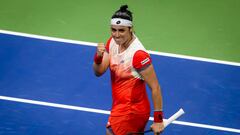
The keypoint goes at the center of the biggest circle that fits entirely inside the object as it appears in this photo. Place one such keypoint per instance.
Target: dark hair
(123, 13)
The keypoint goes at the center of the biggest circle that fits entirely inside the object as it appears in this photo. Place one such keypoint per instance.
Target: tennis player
(131, 68)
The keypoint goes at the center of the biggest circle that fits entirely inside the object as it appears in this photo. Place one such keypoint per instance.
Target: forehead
(118, 27)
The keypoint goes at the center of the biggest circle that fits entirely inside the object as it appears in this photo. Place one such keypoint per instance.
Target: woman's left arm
(150, 78)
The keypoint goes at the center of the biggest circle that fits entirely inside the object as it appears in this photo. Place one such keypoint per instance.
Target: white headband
(121, 22)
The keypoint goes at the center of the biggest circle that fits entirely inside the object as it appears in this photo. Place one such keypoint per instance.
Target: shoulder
(141, 59)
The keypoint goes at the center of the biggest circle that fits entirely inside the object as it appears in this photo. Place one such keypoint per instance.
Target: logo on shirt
(122, 61)
(145, 61)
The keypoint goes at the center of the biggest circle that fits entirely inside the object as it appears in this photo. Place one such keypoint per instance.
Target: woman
(131, 67)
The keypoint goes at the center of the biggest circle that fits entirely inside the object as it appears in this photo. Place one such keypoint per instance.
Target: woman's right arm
(101, 60)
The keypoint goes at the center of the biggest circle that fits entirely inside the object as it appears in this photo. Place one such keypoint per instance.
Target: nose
(117, 34)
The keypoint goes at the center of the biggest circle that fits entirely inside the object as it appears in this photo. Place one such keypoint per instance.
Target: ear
(131, 29)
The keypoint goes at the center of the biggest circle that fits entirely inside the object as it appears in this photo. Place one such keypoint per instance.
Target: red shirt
(128, 87)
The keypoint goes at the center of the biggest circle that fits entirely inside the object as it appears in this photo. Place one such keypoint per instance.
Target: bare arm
(100, 68)
(150, 78)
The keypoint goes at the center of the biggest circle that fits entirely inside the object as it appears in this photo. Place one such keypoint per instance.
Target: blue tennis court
(48, 87)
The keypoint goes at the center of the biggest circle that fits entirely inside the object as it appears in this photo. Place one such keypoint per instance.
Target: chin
(118, 42)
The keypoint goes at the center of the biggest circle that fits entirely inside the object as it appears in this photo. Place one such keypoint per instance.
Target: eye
(114, 30)
(121, 30)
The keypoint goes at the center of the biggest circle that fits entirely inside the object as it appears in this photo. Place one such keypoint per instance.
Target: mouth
(118, 40)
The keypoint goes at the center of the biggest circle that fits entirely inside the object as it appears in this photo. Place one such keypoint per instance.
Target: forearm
(157, 98)
(158, 125)
(99, 69)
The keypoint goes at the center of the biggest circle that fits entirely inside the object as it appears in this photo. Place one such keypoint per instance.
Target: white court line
(108, 112)
(95, 44)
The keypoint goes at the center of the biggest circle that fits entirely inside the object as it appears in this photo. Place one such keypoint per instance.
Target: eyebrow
(121, 29)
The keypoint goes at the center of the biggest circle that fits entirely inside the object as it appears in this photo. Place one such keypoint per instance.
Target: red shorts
(121, 125)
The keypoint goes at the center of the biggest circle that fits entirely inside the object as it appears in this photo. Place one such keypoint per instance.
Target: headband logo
(118, 22)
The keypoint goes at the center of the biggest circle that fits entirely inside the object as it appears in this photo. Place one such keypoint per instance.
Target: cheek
(126, 35)
(112, 33)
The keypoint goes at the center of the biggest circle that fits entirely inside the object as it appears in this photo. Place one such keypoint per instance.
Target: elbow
(99, 70)
(97, 74)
